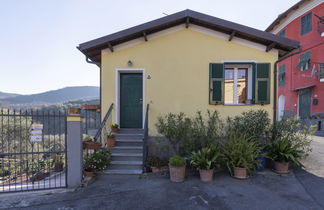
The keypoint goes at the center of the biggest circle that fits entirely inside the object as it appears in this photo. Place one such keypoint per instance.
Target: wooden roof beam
(145, 36)
(232, 36)
(269, 47)
(110, 47)
(187, 22)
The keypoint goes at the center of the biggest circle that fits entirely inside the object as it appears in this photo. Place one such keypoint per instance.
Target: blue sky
(38, 38)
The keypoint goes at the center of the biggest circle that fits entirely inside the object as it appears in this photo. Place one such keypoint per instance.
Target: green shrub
(206, 158)
(284, 151)
(177, 129)
(97, 161)
(177, 161)
(114, 125)
(252, 124)
(297, 134)
(240, 151)
(206, 131)
(155, 161)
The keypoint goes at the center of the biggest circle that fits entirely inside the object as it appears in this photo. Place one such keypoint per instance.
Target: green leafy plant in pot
(241, 154)
(282, 152)
(177, 167)
(111, 140)
(206, 160)
(114, 128)
(97, 161)
(155, 163)
(58, 163)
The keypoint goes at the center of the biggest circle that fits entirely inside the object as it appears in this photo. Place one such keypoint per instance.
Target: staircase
(127, 155)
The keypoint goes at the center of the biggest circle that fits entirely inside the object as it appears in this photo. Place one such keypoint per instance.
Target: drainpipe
(275, 81)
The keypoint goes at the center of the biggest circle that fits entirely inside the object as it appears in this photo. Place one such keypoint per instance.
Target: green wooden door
(131, 95)
(305, 97)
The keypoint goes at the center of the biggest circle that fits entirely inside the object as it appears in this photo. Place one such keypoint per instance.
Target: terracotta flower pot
(74, 111)
(111, 142)
(89, 173)
(177, 173)
(281, 168)
(91, 145)
(114, 130)
(164, 168)
(155, 169)
(206, 175)
(240, 173)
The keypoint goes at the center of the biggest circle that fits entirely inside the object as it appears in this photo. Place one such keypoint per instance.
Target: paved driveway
(267, 190)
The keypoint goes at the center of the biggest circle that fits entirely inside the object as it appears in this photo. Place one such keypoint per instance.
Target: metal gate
(32, 150)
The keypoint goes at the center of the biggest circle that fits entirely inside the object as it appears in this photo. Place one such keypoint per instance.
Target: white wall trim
(295, 14)
(118, 71)
(194, 28)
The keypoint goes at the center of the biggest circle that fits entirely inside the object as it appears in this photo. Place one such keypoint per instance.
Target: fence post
(74, 151)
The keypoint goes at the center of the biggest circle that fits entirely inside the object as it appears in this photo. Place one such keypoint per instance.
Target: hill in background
(7, 95)
(55, 96)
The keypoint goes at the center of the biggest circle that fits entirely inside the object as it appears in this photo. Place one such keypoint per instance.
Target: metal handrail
(103, 123)
(145, 146)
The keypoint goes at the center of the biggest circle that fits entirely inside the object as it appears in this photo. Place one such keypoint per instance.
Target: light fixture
(129, 63)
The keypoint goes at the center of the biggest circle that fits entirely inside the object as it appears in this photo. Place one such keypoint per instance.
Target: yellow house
(185, 62)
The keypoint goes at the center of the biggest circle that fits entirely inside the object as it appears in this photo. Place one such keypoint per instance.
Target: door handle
(141, 100)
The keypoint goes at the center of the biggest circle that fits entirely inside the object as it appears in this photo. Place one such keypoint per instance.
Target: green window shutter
(282, 75)
(304, 61)
(253, 82)
(216, 83)
(262, 83)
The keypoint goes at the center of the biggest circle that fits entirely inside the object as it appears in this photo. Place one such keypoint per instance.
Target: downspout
(275, 80)
(98, 64)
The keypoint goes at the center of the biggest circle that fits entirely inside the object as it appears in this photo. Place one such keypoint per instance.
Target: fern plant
(284, 151)
(206, 158)
(241, 152)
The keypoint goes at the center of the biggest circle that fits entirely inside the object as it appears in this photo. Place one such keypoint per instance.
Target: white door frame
(117, 91)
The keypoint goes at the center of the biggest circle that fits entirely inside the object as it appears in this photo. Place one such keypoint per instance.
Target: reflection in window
(236, 85)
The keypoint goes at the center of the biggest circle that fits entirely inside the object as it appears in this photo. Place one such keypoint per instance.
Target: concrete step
(129, 136)
(126, 156)
(123, 165)
(130, 131)
(129, 142)
(126, 149)
(115, 171)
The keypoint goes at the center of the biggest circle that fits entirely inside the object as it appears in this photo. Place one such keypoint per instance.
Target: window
(304, 61)
(306, 24)
(282, 75)
(239, 83)
(282, 33)
(321, 72)
(236, 85)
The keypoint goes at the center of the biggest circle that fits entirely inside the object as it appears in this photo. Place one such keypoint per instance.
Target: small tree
(177, 129)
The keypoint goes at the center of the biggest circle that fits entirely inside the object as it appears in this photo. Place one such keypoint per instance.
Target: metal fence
(32, 150)
(90, 121)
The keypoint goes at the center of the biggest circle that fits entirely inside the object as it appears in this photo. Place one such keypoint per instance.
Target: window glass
(306, 24)
(242, 85)
(282, 33)
(229, 86)
(236, 85)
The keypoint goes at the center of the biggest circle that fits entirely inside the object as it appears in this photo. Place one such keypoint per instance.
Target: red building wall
(295, 79)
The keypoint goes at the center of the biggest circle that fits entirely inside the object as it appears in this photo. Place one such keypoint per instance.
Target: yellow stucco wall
(178, 64)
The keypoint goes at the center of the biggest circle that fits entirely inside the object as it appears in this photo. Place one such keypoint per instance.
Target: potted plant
(58, 163)
(111, 141)
(177, 167)
(206, 160)
(114, 128)
(155, 163)
(88, 143)
(74, 111)
(241, 154)
(282, 152)
(95, 162)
